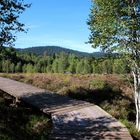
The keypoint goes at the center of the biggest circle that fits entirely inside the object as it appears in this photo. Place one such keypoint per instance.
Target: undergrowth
(22, 122)
(113, 93)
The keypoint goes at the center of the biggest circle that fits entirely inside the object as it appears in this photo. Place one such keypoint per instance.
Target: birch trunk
(136, 76)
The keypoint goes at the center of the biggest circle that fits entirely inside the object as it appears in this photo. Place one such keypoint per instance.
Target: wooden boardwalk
(72, 119)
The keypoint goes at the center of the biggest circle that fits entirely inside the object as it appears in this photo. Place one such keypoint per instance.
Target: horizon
(56, 23)
(58, 47)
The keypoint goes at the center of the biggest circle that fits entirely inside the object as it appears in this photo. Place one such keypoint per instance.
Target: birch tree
(115, 26)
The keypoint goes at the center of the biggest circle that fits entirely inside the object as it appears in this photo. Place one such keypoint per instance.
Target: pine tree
(55, 66)
(12, 67)
(30, 68)
(80, 67)
(87, 67)
(18, 67)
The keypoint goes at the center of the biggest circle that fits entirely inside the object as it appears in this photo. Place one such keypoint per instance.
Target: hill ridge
(51, 50)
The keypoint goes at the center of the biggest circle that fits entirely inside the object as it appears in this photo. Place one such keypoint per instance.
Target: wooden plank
(89, 122)
(18, 89)
(72, 119)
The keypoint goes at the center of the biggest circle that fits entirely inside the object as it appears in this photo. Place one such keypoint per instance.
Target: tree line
(12, 61)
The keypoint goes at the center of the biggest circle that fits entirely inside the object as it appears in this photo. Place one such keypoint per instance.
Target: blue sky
(56, 22)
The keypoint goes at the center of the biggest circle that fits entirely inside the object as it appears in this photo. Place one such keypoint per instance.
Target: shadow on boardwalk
(51, 102)
(98, 128)
(74, 119)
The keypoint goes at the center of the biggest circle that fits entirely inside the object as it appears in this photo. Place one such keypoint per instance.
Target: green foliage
(80, 67)
(55, 66)
(72, 67)
(49, 69)
(87, 67)
(12, 68)
(72, 60)
(18, 67)
(6, 66)
(30, 68)
(119, 67)
(9, 19)
(60, 63)
(131, 127)
(115, 26)
(98, 84)
(107, 66)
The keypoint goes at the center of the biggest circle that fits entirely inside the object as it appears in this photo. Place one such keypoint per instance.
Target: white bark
(136, 76)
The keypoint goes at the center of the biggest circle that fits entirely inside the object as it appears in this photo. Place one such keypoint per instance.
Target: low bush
(22, 122)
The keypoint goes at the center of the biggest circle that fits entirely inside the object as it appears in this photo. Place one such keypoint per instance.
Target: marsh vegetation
(113, 93)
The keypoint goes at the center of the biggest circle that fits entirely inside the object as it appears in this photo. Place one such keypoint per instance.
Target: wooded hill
(51, 50)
